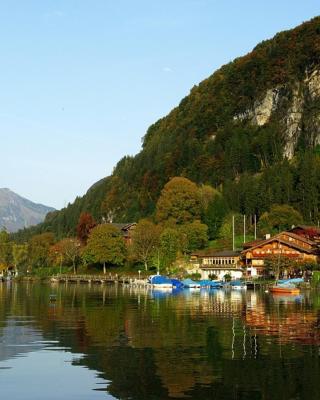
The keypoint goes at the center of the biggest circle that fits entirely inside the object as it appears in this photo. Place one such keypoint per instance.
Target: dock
(99, 279)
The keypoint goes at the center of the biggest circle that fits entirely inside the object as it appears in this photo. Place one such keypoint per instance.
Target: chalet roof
(123, 226)
(298, 237)
(282, 241)
(213, 253)
(288, 233)
(306, 228)
(252, 243)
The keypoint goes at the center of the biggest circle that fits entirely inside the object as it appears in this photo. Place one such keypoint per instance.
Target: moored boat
(176, 283)
(189, 283)
(208, 284)
(285, 289)
(238, 285)
(160, 282)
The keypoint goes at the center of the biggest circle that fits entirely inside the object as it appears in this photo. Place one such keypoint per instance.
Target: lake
(115, 342)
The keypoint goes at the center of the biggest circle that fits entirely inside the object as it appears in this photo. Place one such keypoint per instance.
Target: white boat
(238, 285)
(160, 282)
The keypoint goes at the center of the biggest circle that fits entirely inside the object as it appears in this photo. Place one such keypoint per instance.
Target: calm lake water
(124, 343)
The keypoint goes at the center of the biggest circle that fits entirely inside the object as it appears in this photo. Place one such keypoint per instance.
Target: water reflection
(136, 343)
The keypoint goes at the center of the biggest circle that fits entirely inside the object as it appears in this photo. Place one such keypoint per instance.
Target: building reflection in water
(173, 344)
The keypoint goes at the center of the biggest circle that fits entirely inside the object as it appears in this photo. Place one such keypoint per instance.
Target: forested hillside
(251, 130)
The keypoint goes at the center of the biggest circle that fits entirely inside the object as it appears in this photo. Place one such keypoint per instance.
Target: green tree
(279, 218)
(5, 249)
(20, 256)
(145, 241)
(193, 236)
(169, 246)
(225, 232)
(213, 215)
(105, 246)
(39, 247)
(277, 265)
(179, 202)
(308, 184)
(207, 194)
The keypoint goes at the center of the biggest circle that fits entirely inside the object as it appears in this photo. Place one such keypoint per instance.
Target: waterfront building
(285, 244)
(212, 263)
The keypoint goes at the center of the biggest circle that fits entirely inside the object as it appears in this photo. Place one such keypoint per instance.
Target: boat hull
(162, 285)
(279, 290)
(243, 287)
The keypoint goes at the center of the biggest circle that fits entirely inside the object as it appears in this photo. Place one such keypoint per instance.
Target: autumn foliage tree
(105, 246)
(20, 256)
(5, 249)
(85, 225)
(145, 239)
(39, 246)
(193, 236)
(67, 251)
(179, 202)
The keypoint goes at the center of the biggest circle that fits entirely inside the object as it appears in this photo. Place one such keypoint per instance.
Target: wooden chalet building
(217, 263)
(285, 244)
(126, 230)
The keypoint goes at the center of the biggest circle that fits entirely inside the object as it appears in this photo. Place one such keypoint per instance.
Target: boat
(206, 283)
(176, 283)
(284, 289)
(160, 282)
(294, 281)
(190, 284)
(238, 285)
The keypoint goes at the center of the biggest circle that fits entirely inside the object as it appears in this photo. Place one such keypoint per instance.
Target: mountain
(17, 212)
(252, 130)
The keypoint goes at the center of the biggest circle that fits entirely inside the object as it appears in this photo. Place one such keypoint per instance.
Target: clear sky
(81, 80)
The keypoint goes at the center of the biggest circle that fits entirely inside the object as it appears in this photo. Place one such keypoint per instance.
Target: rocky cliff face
(17, 213)
(295, 107)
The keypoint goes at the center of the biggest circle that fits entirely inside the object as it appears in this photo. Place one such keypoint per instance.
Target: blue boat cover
(176, 283)
(159, 280)
(189, 282)
(208, 283)
(293, 281)
(205, 282)
(216, 284)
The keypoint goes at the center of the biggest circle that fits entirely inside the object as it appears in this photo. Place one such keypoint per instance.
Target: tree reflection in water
(200, 345)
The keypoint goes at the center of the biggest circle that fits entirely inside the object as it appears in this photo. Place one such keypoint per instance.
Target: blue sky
(81, 80)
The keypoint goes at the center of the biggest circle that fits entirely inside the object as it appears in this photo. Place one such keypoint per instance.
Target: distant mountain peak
(16, 212)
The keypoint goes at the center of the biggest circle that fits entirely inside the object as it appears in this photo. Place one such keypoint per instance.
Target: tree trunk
(104, 268)
(146, 265)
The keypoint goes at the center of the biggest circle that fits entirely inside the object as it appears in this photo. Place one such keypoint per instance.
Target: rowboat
(284, 289)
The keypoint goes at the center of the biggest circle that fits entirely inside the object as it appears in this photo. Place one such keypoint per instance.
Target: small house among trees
(127, 230)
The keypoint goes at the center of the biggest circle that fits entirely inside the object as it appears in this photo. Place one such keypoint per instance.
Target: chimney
(267, 236)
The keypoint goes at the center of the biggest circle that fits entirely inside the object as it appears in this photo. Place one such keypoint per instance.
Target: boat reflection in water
(140, 343)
